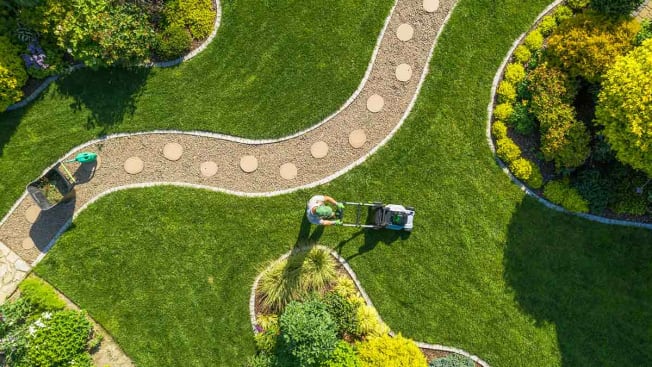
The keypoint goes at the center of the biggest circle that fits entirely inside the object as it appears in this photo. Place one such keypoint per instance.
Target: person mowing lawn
(319, 212)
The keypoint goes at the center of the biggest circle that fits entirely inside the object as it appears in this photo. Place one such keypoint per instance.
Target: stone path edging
(161, 64)
(504, 168)
(356, 281)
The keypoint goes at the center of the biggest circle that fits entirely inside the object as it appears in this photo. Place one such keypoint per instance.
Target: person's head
(324, 211)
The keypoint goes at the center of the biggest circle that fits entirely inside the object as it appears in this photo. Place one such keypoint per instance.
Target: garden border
(505, 169)
(161, 64)
(358, 285)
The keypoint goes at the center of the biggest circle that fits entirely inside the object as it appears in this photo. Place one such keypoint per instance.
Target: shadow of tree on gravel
(597, 293)
(110, 94)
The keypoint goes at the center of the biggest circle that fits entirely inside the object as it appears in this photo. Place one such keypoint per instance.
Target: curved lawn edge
(365, 296)
(161, 64)
(505, 169)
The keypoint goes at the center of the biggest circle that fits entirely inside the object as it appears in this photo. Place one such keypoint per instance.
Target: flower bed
(552, 121)
(308, 310)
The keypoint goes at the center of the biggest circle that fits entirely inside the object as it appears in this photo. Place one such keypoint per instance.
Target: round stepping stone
(430, 6)
(32, 213)
(172, 151)
(208, 169)
(403, 72)
(28, 243)
(375, 103)
(357, 138)
(288, 171)
(405, 32)
(319, 149)
(134, 165)
(248, 163)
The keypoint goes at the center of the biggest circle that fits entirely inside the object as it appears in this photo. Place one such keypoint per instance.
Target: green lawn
(486, 269)
(275, 67)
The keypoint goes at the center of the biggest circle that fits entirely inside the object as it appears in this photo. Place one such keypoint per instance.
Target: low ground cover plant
(36, 330)
(570, 114)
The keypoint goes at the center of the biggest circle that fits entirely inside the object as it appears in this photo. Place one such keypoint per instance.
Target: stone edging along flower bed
(161, 64)
(363, 294)
(521, 185)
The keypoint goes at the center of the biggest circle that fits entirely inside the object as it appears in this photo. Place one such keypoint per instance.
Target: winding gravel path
(240, 166)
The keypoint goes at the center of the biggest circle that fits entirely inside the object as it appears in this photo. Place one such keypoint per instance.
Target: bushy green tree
(588, 43)
(616, 7)
(308, 333)
(625, 108)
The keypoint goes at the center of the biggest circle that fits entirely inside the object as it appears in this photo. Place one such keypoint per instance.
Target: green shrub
(534, 40)
(560, 193)
(344, 313)
(507, 150)
(522, 120)
(563, 13)
(587, 44)
(41, 295)
(624, 108)
(267, 337)
(304, 271)
(499, 130)
(308, 333)
(506, 92)
(616, 8)
(197, 16)
(566, 141)
(12, 74)
(594, 188)
(631, 205)
(547, 25)
(390, 351)
(514, 73)
(173, 42)
(61, 340)
(369, 323)
(262, 360)
(521, 168)
(577, 4)
(536, 178)
(522, 54)
(452, 360)
(503, 111)
(645, 32)
(549, 87)
(343, 356)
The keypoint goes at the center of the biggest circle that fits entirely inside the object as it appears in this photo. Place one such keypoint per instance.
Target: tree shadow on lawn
(9, 122)
(592, 281)
(110, 94)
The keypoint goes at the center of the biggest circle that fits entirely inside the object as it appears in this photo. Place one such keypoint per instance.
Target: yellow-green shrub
(515, 73)
(521, 168)
(547, 25)
(562, 13)
(197, 16)
(534, 40)
(499, 130)
(560, 193)
(507, 150)
(536, 179)
(577, 4)
(550, 87)
(12, 74)
(369, 323)
(506, 92)
(503, 111)
(564, 139)
(386, 351)
(588, 43)
(625, 108)
(522, 54)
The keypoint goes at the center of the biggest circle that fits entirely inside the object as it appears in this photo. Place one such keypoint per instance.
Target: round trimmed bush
(308, 333)
(507, 150)
(522, 54)
(499, 130)
(534, 40)
(560, 193)
(369, 323)
(547, 25)
(503, 111)
(515, 73)
(173, 42)
(452, 360)
(506, 92)
(390, 351)
(343, 356)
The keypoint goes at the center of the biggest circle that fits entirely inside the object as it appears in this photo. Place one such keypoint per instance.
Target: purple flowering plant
(35, 57)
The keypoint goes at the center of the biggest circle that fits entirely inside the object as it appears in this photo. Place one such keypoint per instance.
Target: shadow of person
(306, 237)
(49, 223)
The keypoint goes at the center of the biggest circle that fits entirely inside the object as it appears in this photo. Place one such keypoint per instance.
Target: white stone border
(161, 64)
(504, 168)
(347, 267)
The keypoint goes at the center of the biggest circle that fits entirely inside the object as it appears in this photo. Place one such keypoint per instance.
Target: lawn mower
(389, 216)
(56, 185)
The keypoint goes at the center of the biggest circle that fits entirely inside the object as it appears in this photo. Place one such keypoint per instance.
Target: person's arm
(330, 200)
(326, 223)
